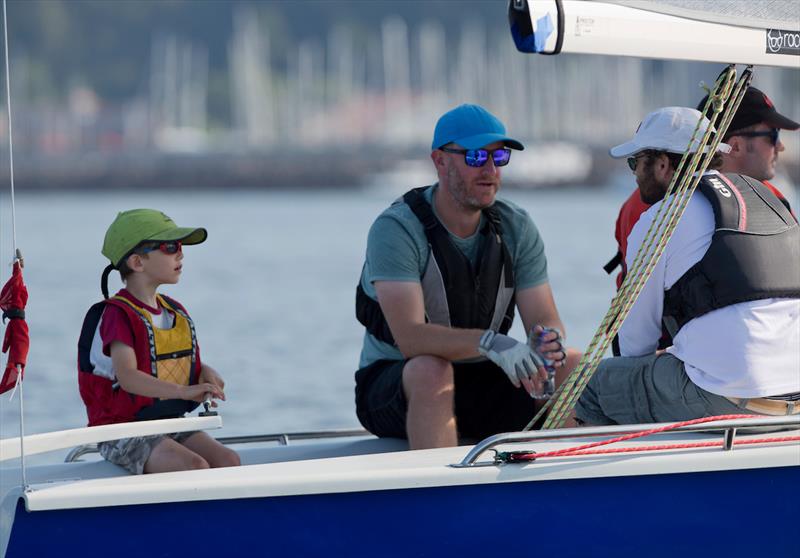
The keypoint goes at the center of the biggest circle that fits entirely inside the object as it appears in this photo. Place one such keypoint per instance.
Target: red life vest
(629, 215)
(168, 354)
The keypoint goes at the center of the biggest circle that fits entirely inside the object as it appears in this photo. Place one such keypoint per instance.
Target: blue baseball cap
(472, 127)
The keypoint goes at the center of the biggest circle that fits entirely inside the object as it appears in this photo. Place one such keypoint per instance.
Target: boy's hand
(208, 374)
(201, 392)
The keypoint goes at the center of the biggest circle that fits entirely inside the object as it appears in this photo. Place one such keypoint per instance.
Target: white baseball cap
(667, 129)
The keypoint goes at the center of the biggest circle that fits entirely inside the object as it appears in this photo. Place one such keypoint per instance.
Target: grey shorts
(654, 388)
(133, 453)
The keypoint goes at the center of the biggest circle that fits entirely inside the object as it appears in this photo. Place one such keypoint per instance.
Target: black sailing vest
(754, 252)
(456, 295)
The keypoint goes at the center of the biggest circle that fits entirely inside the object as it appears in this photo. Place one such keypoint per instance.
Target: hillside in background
(106, 44)
(200, 93)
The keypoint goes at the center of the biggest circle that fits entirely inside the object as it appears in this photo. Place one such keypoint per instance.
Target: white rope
(16, 252)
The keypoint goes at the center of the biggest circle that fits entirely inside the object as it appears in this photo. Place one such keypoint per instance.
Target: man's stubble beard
(458, 190)
(760, 168)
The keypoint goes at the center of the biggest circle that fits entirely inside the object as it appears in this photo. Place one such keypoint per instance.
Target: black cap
(755, 107)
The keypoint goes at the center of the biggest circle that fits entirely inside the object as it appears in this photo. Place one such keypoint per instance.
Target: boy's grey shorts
(133, 453)
(654, 388)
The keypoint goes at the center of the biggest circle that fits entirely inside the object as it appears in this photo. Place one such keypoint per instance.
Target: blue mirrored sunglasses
(479, 157)
(772, 134)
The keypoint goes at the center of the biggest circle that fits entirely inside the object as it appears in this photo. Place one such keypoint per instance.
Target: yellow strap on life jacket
(172, 350)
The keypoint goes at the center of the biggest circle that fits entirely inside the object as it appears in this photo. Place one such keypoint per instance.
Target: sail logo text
(780, 41)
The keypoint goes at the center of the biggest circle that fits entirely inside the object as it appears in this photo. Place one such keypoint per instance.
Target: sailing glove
(517, 360)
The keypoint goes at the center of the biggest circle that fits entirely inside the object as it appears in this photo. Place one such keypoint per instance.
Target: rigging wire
(10, 136)
(17, 255)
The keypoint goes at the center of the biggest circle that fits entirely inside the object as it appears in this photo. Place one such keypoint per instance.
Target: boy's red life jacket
(168, 354)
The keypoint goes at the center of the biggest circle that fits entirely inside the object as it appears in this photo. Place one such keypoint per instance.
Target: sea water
(271, 291)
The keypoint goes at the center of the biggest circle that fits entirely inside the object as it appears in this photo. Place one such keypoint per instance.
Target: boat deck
(365, 464)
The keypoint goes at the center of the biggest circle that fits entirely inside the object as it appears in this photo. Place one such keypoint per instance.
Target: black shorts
(486, 402)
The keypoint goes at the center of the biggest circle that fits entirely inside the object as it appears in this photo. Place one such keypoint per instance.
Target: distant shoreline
(265, 171)
(259, 171)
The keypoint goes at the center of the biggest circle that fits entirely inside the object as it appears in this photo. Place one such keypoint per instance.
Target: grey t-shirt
(398, 250)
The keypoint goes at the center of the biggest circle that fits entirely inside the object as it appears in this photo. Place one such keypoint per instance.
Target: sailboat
(713, 486)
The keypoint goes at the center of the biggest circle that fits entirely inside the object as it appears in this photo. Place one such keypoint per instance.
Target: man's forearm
(445, 342)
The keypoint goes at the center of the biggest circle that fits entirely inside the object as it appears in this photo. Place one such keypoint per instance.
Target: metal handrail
(728, 427)
(282, 440)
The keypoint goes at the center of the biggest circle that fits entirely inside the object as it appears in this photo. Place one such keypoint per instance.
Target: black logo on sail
(780, 41)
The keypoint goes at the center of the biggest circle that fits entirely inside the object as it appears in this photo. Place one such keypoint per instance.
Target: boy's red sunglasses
(170, 247)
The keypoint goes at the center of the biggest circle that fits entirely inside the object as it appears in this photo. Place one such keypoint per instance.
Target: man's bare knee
(427, 375)
(570, 363)
(573, 358)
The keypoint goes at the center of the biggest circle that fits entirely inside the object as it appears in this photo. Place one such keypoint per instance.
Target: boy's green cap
(135, 226)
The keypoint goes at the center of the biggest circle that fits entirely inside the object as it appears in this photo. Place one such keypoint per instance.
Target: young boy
(138, 357)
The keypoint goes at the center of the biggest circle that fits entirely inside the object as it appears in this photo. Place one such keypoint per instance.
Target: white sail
(758, 14)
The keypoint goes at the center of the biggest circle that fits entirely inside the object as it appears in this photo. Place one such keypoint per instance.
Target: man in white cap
(727, 288)
(754, 139)
(445, 267)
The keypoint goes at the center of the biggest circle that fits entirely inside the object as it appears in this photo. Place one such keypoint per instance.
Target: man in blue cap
(445, 266)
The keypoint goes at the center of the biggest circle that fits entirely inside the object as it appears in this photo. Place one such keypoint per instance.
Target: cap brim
(186, 235)
(777, 120)
(482, 140)
(625, 150)
(630, 148)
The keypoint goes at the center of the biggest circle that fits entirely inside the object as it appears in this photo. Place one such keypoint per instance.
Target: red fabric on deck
(16, 342)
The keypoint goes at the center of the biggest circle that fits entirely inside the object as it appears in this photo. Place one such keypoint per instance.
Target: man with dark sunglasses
(754, 138)
(726, 288)
(445, 267)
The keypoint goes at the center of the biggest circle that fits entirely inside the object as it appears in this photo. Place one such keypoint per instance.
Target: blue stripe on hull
(729, 514)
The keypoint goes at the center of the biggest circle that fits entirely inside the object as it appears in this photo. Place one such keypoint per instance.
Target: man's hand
(517, 360)
(548, 343)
